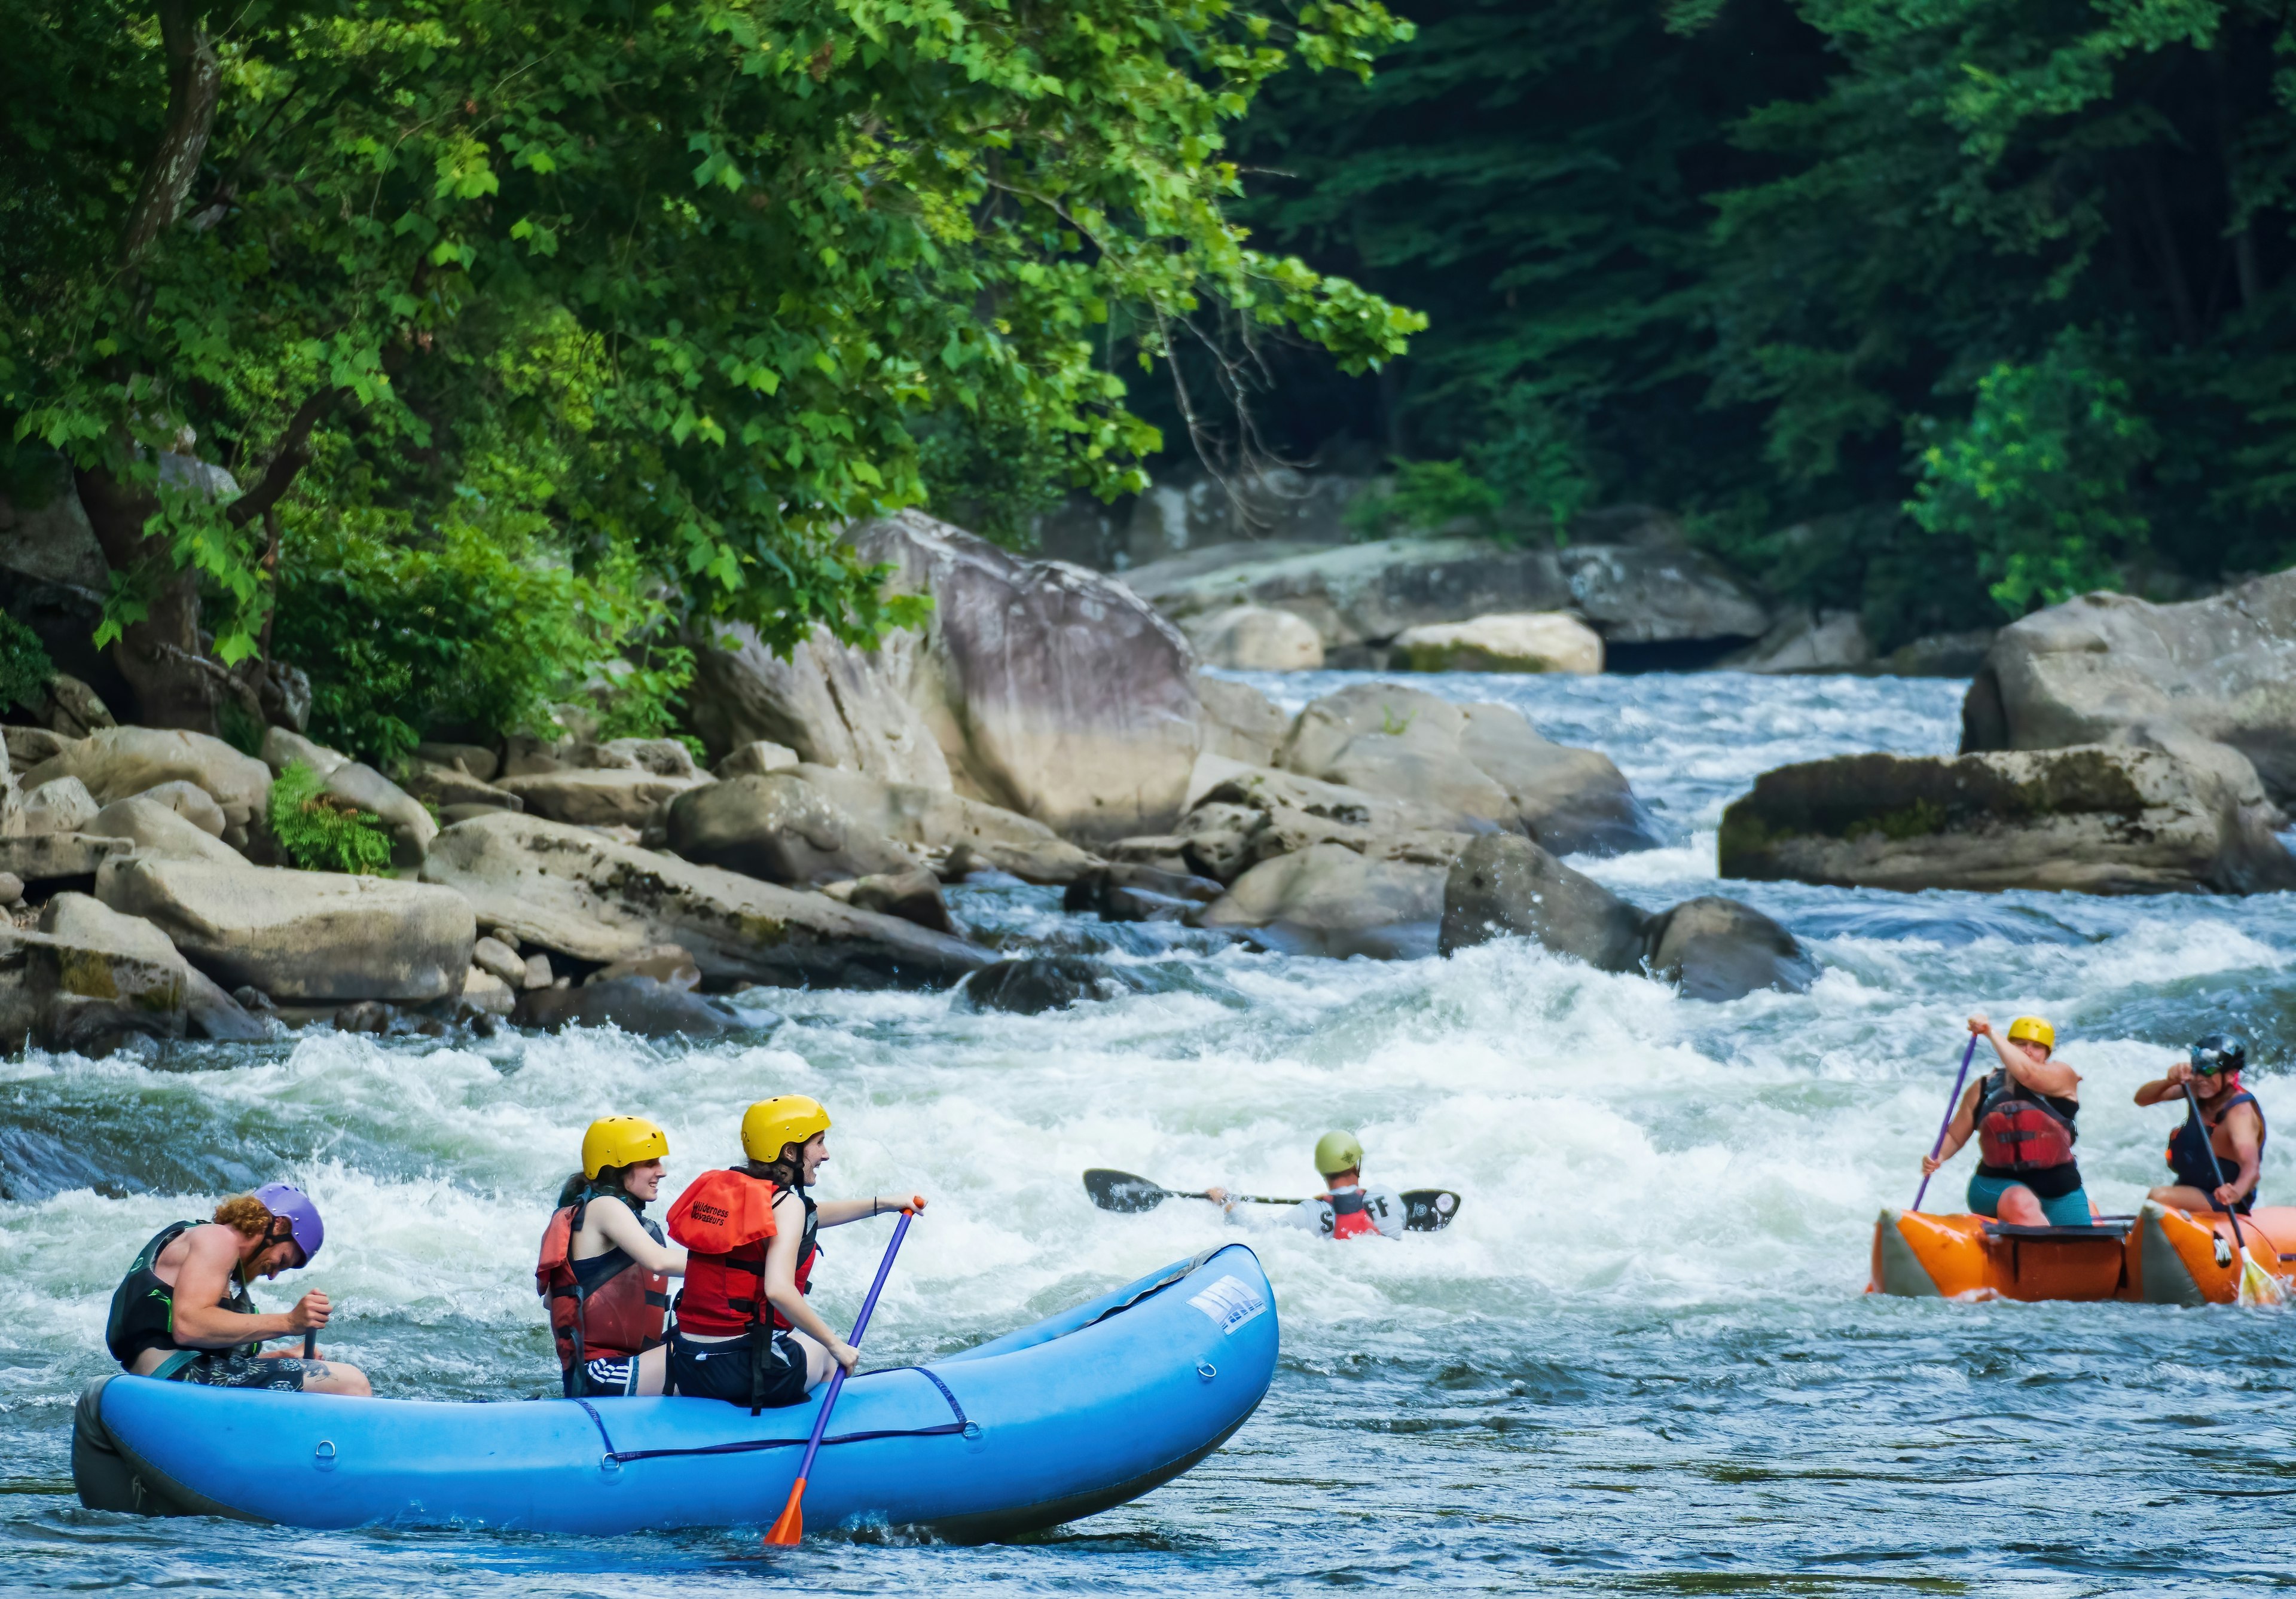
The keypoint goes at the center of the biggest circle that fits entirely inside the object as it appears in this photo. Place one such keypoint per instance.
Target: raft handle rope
(962, 1426)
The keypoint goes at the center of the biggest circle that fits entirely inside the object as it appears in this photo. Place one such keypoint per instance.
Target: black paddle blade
(1122, 1191)
(1429, 1209)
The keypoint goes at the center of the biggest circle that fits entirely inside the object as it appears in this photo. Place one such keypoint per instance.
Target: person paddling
(2022, 1118)
(605, 1269)
(183, 1313)
(1351, 1207)
(2210, 1077)
(745, 1333)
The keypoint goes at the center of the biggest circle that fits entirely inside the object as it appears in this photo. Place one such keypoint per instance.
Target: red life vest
(617, 1314)
(1350, 1217)
(723, 1219)
(2018, 1130)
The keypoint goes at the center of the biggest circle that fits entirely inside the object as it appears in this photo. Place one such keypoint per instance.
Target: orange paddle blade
(790, 1528)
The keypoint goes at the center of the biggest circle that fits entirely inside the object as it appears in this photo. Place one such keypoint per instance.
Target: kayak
(1078, 1412)
(2159, 1256)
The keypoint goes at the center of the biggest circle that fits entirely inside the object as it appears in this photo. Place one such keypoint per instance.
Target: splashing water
(1639, 1362)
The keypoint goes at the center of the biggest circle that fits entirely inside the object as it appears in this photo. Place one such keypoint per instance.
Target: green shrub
(1427, 496)
(24, 664)
(319, 832)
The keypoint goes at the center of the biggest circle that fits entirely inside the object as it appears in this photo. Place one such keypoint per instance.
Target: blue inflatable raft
(1076, 1413)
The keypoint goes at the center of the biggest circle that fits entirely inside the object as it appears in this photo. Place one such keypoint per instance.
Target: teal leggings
(2066, 1210)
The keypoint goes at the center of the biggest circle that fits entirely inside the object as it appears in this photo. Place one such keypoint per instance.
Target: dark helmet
(2219, 1052)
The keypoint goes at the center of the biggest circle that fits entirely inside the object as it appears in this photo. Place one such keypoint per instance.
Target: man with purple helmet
(183, 1313)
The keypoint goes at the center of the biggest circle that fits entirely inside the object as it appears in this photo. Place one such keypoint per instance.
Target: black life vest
(605, 1307)
(2189, 1149)
(724, 1291)
(144, 1305)
(2020, 1131)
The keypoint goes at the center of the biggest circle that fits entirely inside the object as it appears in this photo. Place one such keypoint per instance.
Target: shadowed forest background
(469, 357)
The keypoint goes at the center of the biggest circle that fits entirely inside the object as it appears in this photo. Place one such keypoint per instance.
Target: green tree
(606, 284)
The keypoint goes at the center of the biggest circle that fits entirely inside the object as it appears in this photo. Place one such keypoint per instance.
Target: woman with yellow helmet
(744, 1333)
(605, 1269)
(2023, 1118)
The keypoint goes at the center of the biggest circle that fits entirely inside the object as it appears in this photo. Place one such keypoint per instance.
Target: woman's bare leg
(2020, 1208)
(653, 1371)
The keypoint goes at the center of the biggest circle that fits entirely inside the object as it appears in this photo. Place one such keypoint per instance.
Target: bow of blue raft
(1081, 1412)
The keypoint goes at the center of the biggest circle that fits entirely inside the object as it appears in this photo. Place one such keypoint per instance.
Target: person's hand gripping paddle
(1953, 1103)
(790, 1527)
(2258, 1286)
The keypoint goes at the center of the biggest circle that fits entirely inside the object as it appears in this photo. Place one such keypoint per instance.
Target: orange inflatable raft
(2159, 1256)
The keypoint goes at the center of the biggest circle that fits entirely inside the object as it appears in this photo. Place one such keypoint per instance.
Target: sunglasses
(2208, 1062)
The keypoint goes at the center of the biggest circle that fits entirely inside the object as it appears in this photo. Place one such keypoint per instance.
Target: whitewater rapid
(1655, 1273)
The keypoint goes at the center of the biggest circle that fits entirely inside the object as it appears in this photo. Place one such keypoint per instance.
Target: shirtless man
(2210, 1077)
(183, 1313)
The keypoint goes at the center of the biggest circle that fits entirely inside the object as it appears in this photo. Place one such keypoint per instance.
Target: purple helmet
(291, 1205)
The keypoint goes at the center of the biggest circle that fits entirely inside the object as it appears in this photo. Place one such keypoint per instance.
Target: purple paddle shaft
(837, 1381)
(1960, 1077)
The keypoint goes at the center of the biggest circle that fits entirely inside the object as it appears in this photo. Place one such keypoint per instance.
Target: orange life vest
(723, 1219)
(2018, 1130)
(619, 1311)
(1350, 1214)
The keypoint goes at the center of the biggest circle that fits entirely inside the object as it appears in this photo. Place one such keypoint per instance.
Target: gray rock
(1832, 641)
(1505, 884)
(51, 857)
(1720, 949)
(643, 1006)
(1240, 722)
(2094, 669)
(913, 896)
(486, 994)
(28, 747)
(1133, 891)
(835, 705)
(188, 800)
(1035, 984)
(12, 889)
(119, 763)
(474, 760)
(938, 823)
(149, 826)
(535, 970)
(1572, 801)
(662, 963)
(44, 533)
(663, 756)
(68, 707)
(2099, 819)
(303, 936)
(89, 981)
(760, 757)
(593, 797)
(490, 954)
(1533, 641)
(781, 829)
(565, 888)
(1940, 655)
(446, 786)
(1255, 638)
(1329, 900)
(60, 805)
(212, 1013)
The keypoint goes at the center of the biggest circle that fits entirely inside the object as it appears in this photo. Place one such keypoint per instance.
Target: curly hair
(245, 1215)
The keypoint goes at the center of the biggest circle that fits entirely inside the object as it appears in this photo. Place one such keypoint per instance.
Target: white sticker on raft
(1230, 1302)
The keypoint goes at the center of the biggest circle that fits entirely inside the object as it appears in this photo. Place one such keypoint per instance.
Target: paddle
(2256, 1285)
(790, 1527)
(1952, 1103)
(1424, 1210)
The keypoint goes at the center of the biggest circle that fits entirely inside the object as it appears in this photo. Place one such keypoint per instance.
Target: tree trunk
(194, 81)
(160, 656)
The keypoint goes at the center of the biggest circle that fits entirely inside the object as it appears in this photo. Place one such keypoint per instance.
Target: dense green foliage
(644, 296)
(320, 834)
(24, 664)
(1791, 264)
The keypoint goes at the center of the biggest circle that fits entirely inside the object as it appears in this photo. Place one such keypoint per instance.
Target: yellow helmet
(786, 1118)
(622, 1141)
(2032, 1027)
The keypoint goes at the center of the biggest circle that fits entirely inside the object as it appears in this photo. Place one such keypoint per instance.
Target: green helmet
(1337, 1152)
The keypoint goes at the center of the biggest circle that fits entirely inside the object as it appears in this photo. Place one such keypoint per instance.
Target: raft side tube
(1896, 1269)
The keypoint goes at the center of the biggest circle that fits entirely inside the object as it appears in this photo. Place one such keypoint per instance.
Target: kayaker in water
(2210, 1075)
(1351, 1207)
(605, 1269)
(183, 1313)
(2022, 1118)
(744, 1331)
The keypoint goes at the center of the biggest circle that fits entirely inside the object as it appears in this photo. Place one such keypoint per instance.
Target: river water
(1639, 1363)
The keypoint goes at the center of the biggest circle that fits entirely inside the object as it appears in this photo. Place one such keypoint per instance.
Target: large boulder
(1483, 763)
(779, 828)
(1528, 641)
(835, 705)
(88, 980)
(573, 891)
(1329, 900)
(58, 805)
(2096, 669)
(1031, 985)
(1708, 949)
(118, 763)
(2099, 819)
(1830, 641)
(55, 857)
(301, 937)
(1240, 816)
(938, 824)
(153, 826)
(360, 787)
(646, 1007)
(599, 796)
(1255, 638)
(1240, 722)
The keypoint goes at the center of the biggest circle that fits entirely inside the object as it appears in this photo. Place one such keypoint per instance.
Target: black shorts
(228, 1368)
(604, 1377)
(721, 1370)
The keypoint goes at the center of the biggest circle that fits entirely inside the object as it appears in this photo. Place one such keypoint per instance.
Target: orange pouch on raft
(720, 1211)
